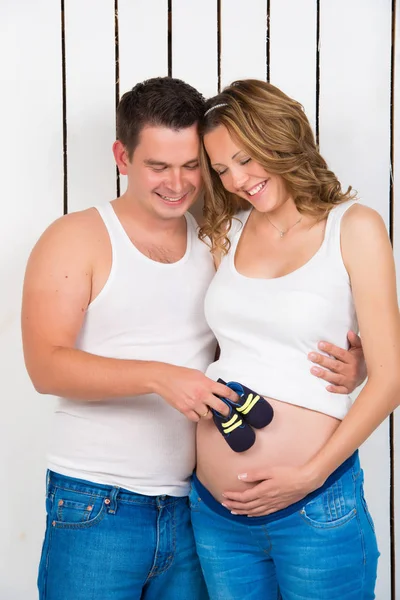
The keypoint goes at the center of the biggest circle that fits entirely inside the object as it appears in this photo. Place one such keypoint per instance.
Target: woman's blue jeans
(325, 550)
(105, 543)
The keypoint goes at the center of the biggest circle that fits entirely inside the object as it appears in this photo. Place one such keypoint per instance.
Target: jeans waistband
(106, 491)
(216, 507)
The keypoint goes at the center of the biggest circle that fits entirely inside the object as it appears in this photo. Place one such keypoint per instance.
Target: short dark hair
(159, 102)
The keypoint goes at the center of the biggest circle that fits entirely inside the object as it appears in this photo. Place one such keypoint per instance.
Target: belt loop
(112, 501)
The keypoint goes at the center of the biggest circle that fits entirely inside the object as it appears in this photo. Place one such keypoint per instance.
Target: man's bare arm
(57, 292)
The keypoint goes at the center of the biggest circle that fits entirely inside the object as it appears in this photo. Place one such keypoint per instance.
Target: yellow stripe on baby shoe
(248, 406)
(237, 424)
(229, 423)
(245, 405)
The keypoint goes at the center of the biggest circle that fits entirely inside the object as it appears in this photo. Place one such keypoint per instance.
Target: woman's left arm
(368, 257)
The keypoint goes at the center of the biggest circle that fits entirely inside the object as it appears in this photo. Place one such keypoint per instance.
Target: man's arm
(57, 292)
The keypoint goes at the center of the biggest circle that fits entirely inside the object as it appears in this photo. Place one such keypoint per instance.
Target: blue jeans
(106, 543)
(325, 549)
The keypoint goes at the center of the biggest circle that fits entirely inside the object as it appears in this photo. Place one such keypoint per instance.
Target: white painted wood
(194, 44)
(31, 193)
(194, 50)
(143, 44)
(243, 40)
(90, 69)
(396, 248)
(355, 95)
(354, 138)
(143, 41)
(293, 51)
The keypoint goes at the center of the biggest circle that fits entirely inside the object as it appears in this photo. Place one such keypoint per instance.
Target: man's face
(164, 172)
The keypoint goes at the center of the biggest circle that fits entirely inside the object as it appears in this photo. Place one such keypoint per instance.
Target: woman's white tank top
(266, 327)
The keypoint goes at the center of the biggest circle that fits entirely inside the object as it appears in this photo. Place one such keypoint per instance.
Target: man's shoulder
(83, 222)
(76, 233)
(78, 218)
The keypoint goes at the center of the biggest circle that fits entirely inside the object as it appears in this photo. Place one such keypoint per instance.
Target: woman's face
(242, 175)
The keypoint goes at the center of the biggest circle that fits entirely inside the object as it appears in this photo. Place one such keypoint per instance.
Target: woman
(300, 261)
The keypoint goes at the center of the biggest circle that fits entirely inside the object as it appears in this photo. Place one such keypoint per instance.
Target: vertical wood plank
(293, 27)
(354, 138)
(195, 50)
(90, 86)
(143, 41)
(143, 44)
(355, 96)
(32, 197)
(243, 40)
(194, 44)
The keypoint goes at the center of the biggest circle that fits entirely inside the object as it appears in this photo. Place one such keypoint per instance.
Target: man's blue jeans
(325, 550)
(105, 543)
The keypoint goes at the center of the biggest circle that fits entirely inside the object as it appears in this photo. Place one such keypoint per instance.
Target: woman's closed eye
(221, 172)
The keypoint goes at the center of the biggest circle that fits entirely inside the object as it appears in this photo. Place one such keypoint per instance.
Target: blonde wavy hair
(274, 130)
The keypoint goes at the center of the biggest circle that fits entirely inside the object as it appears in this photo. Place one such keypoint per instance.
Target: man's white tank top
(146, 311)
(266, 327)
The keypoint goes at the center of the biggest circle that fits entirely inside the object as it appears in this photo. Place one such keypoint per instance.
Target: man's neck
(146, 220)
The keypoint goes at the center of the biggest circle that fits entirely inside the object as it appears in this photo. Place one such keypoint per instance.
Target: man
(113, 324)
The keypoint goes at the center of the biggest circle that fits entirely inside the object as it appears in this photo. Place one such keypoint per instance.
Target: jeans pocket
(334, 507)
(73, 509)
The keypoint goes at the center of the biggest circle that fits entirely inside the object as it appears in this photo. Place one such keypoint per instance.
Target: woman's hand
(274, 489)
(343, 369)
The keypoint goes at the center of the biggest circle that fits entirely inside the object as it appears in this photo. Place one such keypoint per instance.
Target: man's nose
(175, 181)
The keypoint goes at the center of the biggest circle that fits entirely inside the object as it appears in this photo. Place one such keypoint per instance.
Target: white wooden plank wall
(354, 122)
(293, 50)
(195, 44)
(31, 182)
(90, 98)
(142, 44)
(344, 86)
(243, 40)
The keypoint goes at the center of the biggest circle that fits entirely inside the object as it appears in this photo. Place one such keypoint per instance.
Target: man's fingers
(336, 366)
(222, 390)
(193, 416)
(354, 339)
(329, 376)
(204, 413)
(218, 405)
(337, 389)
(335, 351)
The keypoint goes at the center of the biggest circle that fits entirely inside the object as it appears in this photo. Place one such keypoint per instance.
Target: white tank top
(266, 327)
(147, 311)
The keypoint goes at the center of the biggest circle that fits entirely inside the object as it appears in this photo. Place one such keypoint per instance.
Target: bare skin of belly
(292, 438)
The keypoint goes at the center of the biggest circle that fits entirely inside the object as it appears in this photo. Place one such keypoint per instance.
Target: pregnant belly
(291, 439)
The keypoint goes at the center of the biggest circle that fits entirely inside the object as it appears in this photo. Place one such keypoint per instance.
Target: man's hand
(274, 489)
(191, 392)
(343, 369)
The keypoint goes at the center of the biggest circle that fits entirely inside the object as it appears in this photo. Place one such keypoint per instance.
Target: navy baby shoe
(235, 431)
(256, 411)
